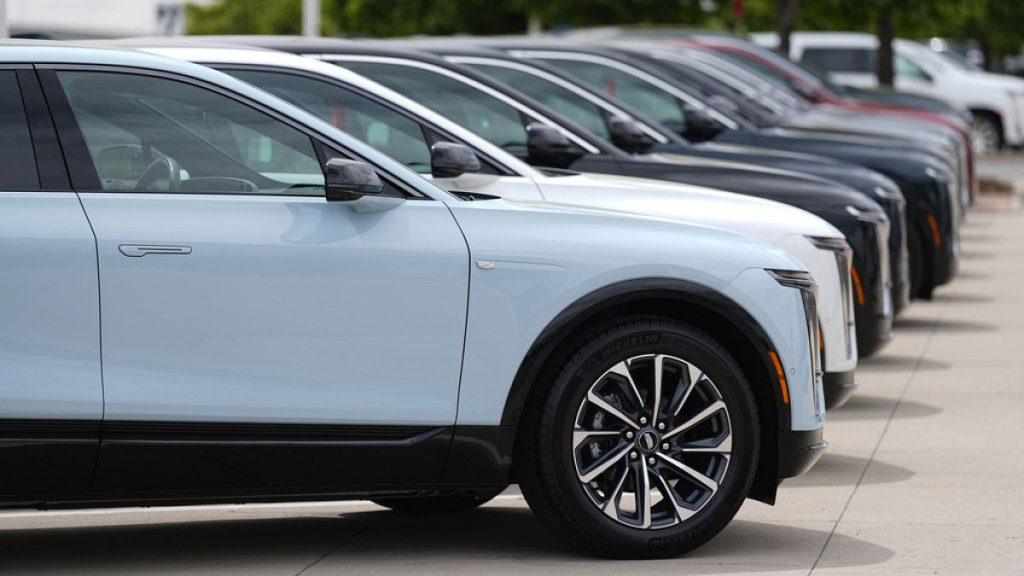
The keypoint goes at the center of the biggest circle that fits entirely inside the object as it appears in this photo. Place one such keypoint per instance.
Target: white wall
(97, 18)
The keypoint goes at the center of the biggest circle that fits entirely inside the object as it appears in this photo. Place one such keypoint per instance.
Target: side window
(904, 66)
(486, 116)
(153, 134)
(841, 60)
(17, 161)
(617, 84)
(558, 98)
(384, 129)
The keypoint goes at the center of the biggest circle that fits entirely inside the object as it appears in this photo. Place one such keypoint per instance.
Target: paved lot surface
(924, 476)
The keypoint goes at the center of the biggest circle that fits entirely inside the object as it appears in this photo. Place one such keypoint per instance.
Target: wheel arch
(706, 309)
(993, 115)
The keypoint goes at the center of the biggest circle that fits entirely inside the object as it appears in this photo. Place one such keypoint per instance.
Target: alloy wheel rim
(652, 441)
(984, 137)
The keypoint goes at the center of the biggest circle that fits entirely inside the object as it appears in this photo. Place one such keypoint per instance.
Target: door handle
(139, 250)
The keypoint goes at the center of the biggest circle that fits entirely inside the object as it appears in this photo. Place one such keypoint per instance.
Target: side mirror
(804, 90)
(451, 160)
(547, 146)
(348, 180)
(700, 126)
(627, 135)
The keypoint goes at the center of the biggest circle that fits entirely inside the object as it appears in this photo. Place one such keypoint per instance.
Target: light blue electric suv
(211, 296)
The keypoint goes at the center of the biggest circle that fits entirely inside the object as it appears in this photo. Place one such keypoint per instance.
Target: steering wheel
(157, 169)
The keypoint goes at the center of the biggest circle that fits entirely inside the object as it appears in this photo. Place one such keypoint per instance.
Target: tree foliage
(995, 24)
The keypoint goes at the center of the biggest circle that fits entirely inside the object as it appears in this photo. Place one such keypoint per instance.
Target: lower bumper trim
(839, 386)
(799, 450)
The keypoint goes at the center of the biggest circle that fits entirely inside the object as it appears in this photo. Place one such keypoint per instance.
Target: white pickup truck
(995, 100)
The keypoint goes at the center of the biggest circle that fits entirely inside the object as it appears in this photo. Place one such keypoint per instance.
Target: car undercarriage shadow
(502, 536)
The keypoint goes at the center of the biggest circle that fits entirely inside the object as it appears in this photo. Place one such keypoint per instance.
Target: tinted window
(483, 114)
(152, 134)
(840, 59)
(388, 131)
(17, 159)
(560, 99)
(645, 97)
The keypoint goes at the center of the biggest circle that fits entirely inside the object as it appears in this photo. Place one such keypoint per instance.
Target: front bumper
(799, 450)
(839, 387)
(873, 288)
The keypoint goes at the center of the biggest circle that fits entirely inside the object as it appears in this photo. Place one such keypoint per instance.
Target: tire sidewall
(581, 373)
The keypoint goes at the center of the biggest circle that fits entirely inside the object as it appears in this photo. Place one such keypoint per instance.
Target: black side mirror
(348, 180)
(547, 146)
(627, 135)
(451, 160)
(804, 90)
(700, 126)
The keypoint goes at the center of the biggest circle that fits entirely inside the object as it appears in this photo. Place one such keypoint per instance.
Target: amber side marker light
(857, 286)
(782, 377)
(934, 225)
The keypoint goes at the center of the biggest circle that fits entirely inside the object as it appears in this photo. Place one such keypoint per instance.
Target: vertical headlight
(803, 282)
(844, 260)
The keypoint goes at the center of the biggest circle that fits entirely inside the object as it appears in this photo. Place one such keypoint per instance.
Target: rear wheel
(644, 444)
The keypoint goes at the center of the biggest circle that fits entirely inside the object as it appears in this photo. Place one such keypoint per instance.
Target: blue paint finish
(780, 312)
(295, 310)
(566, 254)
(49, 309)
(287, 310)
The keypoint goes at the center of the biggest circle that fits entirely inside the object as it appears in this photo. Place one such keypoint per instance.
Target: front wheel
(644, 444)
(986, 136)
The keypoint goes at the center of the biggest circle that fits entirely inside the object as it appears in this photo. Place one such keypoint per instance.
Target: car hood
(987, 80)
(604, 246)
(763, 219)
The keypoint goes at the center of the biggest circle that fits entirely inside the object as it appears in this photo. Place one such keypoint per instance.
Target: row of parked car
(994, 101)
(629, 275)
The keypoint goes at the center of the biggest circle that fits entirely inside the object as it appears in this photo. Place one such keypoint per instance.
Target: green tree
(245, 17)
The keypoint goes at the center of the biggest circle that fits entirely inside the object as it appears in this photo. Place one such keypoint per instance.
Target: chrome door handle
(139, 250)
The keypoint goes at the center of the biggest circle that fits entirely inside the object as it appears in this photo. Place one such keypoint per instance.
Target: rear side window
(17, 159)
(841, 60)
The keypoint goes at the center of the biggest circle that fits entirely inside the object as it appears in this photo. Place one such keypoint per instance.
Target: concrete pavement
(923, 477)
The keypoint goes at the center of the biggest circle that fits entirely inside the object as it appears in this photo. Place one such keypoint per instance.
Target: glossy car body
(221, 342)
(817, 90)
(311, 84)
(924, 178)
(866, 232)
(560, 91)
(919, 70)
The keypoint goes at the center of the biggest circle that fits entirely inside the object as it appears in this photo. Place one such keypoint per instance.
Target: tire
(986, 134)
(552, 467)
(440, 504)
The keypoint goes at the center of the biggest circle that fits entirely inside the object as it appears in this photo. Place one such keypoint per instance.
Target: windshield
(959, 60)
(558, 98)
(384, 129)
(615, 83)
(489, 117)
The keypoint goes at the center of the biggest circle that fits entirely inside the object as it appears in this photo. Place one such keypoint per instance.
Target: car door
(383, 126)
(255, 334)
(51, 396)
